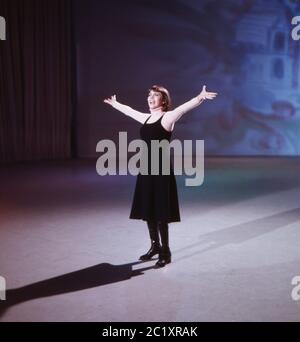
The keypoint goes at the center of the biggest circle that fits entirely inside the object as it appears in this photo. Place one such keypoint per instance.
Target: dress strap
(154, 121)
(147, 119)
(161, 117)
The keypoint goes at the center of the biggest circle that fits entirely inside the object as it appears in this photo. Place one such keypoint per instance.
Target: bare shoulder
(141, 117)
(167, 122)
(167, 117)
(145, 117)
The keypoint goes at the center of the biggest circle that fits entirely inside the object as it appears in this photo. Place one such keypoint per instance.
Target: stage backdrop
(35, 80)
(242, 49)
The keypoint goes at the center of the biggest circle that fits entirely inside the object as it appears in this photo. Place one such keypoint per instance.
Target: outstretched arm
(175, 114)
(134, 114)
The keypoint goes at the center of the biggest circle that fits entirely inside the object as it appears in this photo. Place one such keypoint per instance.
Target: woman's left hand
(205, 95)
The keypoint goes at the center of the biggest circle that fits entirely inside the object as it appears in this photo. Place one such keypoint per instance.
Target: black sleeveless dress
(155, 196)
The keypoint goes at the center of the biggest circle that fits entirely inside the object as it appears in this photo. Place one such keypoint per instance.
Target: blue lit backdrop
(242, 49)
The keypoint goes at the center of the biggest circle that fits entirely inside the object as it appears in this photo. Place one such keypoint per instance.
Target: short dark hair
(165, 96)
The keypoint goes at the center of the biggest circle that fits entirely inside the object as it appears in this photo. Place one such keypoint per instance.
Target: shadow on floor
(242, 232)
(94, 276)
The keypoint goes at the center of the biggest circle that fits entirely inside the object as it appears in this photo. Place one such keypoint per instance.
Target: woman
(155, 197)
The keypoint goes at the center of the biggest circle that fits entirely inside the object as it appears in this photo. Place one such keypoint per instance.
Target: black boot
(155, 246)
(164, 253)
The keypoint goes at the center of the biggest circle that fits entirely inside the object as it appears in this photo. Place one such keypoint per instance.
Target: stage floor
(69, 252)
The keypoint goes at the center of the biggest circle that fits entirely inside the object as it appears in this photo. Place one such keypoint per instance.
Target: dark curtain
(35, 80)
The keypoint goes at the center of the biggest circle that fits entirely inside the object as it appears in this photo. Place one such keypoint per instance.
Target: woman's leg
(165, 253)
(154, 237)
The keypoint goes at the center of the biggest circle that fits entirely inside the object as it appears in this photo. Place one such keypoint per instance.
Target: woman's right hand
(111, 100)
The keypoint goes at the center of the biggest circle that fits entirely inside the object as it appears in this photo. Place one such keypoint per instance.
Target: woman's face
(154, 99)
